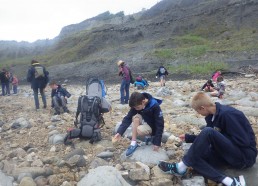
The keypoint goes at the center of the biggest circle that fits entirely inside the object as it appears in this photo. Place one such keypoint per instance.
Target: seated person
(59, 97)
(227, 140)
(208, 86)
(140, 83)
(221, 86)
(215, 76)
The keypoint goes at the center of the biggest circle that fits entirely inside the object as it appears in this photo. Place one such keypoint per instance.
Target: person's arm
(127, 120)
(66, 93)
(159, 124)
(29, 75)
(204, 86)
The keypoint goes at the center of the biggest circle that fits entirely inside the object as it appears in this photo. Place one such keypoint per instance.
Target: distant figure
(124, 72)
(59, 97)
(221, 88)
(162, 73)
(38, 77)
(15, 84)
(146, 118)
(140, 83)
(228, 140)
(215, 76)
(208, 86)
(5, 77)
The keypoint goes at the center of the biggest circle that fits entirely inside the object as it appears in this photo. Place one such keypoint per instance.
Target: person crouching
(59, 97)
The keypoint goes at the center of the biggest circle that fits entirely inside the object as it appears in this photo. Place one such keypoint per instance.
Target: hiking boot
(170, 168)
(130, 150)
(238, 181)
(57, 113)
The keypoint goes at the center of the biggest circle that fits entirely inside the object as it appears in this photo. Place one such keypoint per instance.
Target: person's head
(219, 79)
(209, 82)
(120, 63)
(34, 61)
(53, 84)
(202, 104)
(137, 101)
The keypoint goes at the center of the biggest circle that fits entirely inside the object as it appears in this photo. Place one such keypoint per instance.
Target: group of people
(227, 140)
(215, 91)
(8, 82)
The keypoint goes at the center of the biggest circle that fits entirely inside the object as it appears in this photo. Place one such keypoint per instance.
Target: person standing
(162, 73)
(124, 72)
(38, 77)
(4, 77)
(15, 84)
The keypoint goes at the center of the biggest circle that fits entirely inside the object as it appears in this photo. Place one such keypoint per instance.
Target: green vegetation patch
(198, 68)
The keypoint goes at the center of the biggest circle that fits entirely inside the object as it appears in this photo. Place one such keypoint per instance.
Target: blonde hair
(201, 99)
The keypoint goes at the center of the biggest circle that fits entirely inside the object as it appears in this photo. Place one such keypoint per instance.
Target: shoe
(66, 110)
(170, 168)
(238, 181)
(130, 150)
(45, 106)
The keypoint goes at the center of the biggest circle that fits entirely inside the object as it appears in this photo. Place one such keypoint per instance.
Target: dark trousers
(59, 102)
(209, 151)
(15, 89)
(36, 98)
(124, 91)
(5, 88)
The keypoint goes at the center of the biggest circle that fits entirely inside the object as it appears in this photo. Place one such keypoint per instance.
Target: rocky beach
(32, 150)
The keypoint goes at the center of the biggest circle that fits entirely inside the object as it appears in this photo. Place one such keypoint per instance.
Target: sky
(30, 20)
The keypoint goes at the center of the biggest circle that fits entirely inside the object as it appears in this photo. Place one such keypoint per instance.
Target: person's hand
(182, 137)
(117, 137)
(155, 148)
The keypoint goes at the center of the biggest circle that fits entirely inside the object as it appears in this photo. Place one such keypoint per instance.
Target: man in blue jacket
(38, 77)
(228, 140)
(146, 118)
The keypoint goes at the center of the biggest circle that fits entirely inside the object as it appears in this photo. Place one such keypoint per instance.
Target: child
(140, 83)
(162, 73)
(15, 84)
(146, 118)
(208, 86)
(59, 96)
(221, 86)
(227, 140)
(216, 75)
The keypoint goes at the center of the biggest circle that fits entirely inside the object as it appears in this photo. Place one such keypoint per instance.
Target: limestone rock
(27, 181)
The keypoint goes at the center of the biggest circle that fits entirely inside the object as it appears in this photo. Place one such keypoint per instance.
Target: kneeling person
(59, 96)
(146, 118)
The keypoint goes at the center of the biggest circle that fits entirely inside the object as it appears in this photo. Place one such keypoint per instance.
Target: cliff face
(135, 38)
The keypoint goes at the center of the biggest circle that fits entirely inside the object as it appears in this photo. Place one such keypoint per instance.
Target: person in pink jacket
(216, 75)
(15, 84)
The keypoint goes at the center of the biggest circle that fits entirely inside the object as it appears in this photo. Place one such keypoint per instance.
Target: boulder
(6, 180)
(105, 176)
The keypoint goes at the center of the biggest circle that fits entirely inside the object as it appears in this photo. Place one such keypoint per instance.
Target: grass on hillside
(198, 68)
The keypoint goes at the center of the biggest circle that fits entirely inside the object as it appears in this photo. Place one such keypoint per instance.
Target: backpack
(96, 87)
(39, 72)
(91, 119)
(162, 70)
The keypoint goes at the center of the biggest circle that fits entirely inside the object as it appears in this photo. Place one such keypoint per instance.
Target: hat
(120, 62)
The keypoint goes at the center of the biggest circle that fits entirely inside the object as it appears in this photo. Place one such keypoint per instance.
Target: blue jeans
(5, 88)
(124, 91)
(212, 150)
(15, 89)
(36, 98)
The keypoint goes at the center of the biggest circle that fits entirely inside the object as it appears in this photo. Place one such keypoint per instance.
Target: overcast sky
(29, 20)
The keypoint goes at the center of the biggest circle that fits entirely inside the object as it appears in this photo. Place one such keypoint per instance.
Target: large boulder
(105, 176)
(6, 180)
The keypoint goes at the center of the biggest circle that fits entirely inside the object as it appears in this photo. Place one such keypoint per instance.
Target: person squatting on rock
(38, 77)
(162, 73)
(227, 140)
(59, 97)
(5, 82)
(220, 89)
(208, 86)
(140, 83)
(146, 118)
(124, 71)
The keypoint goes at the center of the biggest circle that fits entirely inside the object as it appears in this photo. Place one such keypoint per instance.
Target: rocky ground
(32, 150)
